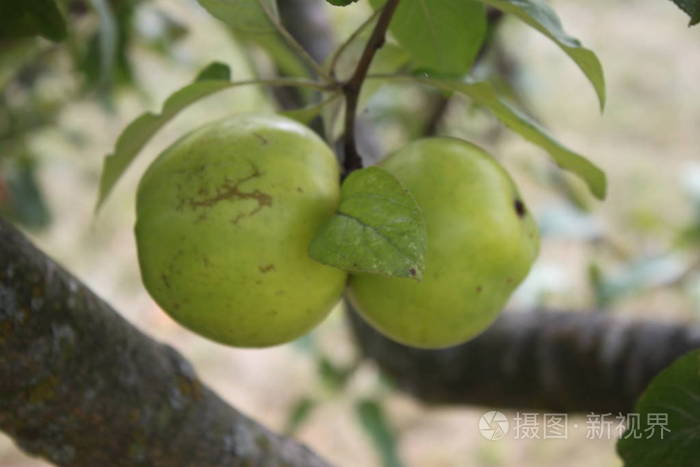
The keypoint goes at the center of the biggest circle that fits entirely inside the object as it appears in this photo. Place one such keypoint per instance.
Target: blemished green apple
(224, 220)
(481, 244)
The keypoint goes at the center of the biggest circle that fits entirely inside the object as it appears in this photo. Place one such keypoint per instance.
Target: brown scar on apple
(520, 208)
(267, 268)
(230, 190)
(262, 139)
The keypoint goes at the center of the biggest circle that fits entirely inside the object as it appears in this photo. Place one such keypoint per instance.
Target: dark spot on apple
(509, 280)
(300, 189)
(262, 139)
(520, 209)
(479, 289)
(267, 268)
(412, 272)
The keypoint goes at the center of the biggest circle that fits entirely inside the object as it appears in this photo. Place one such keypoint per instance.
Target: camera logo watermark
(496, 425)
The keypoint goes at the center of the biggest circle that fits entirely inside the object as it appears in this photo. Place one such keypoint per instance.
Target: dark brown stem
(80, 386)
(353, 87)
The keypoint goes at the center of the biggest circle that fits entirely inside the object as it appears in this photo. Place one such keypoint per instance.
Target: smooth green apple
(481, 244)
(224, 220)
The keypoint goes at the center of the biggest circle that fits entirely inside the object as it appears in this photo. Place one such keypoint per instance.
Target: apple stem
(353, 86)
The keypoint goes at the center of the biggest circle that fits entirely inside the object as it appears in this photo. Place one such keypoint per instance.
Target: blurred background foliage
(62, 105)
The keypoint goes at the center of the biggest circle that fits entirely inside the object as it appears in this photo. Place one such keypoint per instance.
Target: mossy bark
(80, 386)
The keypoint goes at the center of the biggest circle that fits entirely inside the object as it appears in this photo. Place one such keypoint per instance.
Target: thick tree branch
(80, 386)
(553, 361)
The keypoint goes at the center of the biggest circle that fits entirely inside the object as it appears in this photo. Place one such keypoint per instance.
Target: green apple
(224, 220)
(481, 244)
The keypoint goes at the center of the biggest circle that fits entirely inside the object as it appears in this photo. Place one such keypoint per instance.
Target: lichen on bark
(80, 386)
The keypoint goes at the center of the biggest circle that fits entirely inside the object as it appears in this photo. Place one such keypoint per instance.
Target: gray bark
(542, 360)
(80, 386)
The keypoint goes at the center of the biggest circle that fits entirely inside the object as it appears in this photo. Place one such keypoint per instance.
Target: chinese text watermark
(496, 425)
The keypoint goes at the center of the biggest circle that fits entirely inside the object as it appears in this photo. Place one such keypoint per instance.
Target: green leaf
(334, 378)
(32, 17)
(300, 412)
(668, 432)
(140, 131)
(371, 416)
(214, 71)
(378, 228)
(107, 41)
(542, 17)
(341, 2)
(485, 94)
(21, 197)
(442, 36)
(692, 8)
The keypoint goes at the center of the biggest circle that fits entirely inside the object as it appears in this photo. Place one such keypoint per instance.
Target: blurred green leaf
(250, 24)
(668, 429)
(21, 198)
(565, 221)
(299, 413)
(642, 274)
(692, 8)
(373, 421)
(378, 228)
(242, 15)
(107, 41)
(442, 36)
(539, 15)
(341, 2)
(106, 62)
(14, 54)
(334, 378)
(484, 94)
(30, 18)
(141, 130)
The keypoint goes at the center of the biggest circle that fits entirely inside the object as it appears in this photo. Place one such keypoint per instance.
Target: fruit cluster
(226, 214)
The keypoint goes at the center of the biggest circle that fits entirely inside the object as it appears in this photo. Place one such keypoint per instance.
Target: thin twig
(341, 50)
(282, 82)
(292, 42)
(353, 86)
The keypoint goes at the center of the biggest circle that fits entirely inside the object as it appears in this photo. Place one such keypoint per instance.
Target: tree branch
(551, 361)
(80, 386)
(353, 87)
